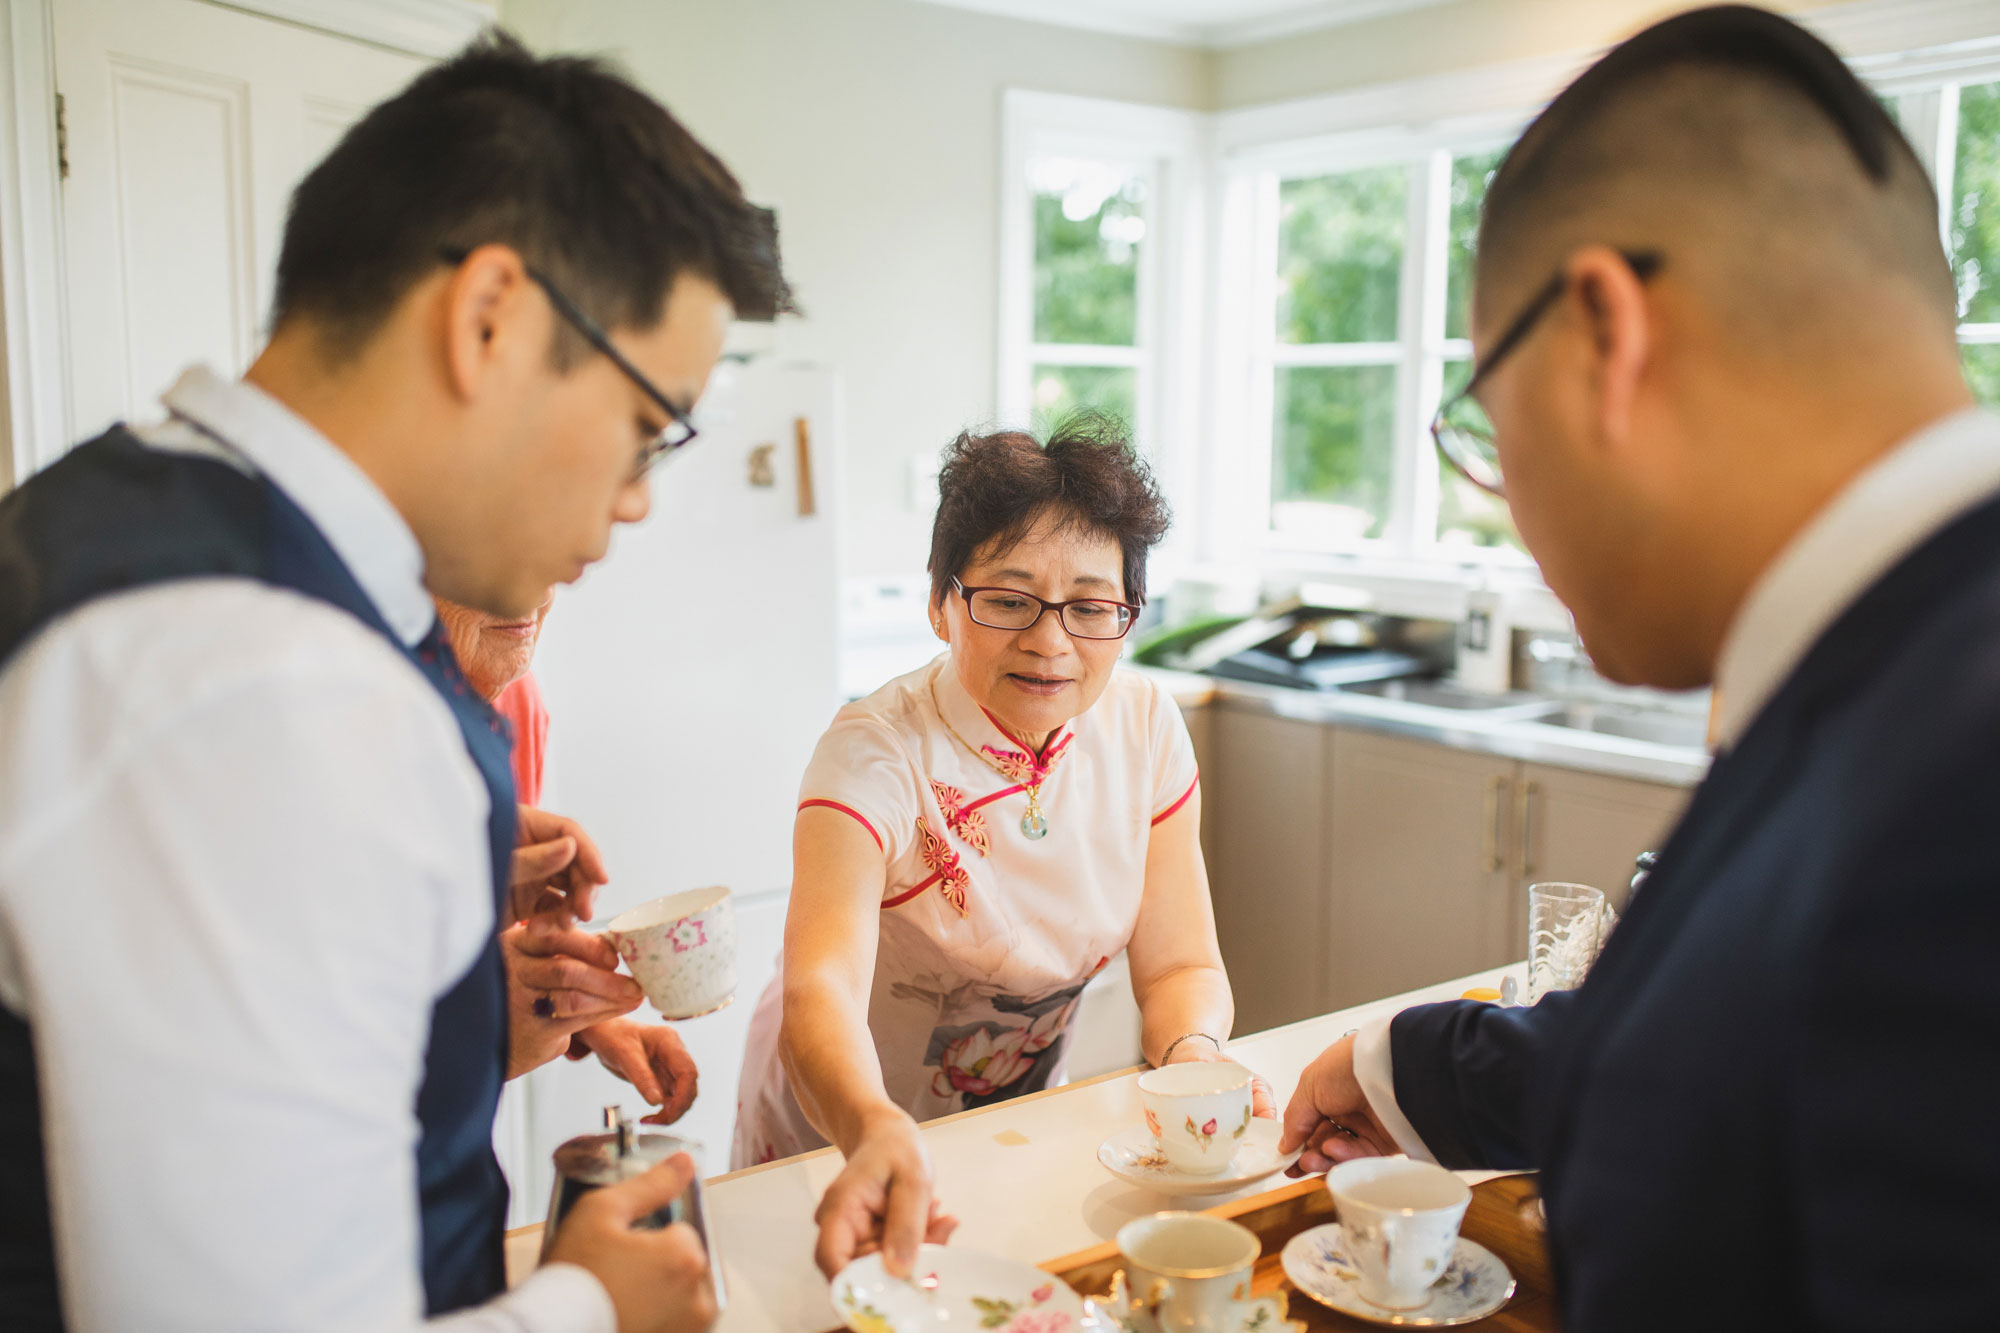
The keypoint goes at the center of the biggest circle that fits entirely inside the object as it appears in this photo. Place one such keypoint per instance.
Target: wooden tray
(1501, 1217)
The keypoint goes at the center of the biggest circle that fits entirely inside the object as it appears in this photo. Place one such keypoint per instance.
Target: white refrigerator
(688, 677)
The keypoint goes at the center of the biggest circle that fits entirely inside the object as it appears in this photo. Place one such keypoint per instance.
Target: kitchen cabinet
(1264, 794)
(1586, 828)
(1347, 864)
(1417, 884)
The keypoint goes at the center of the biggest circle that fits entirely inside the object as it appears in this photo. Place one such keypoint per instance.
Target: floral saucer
(1134, 1156)
(1259, 1314)
(1474, 1285)
(957, 1289)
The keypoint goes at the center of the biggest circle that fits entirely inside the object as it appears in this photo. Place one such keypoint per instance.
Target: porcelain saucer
(1259, 1314)
(1474, 1285)
(1135, 1156)
(954, 1288)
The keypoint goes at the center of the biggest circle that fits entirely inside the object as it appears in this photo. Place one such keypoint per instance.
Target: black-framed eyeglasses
(679, 429)
(1083, 618)
(1461, 430)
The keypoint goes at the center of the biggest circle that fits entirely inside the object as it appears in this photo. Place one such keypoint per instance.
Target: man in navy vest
(1715, 340)
(254, 826)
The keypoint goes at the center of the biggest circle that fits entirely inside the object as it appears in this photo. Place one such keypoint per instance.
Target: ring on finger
(544, 1006)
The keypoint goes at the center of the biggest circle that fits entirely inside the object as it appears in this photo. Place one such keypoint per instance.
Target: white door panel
(188, 127)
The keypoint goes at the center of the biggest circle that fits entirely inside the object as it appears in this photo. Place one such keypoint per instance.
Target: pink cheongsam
(988, 935)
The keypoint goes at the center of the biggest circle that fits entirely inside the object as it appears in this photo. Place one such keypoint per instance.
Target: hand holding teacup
(1329, 1117)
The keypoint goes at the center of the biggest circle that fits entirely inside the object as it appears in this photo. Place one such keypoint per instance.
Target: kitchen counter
(1509, 737)
(1023, 1178)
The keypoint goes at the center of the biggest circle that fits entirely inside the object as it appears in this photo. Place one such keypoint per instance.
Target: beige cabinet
(1587, 828)
(1348, 864)
(1264, 802)
(1417, 884)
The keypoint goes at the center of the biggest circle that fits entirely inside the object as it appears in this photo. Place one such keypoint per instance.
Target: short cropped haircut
(1729, 115)
(587, 177)
(996, 488)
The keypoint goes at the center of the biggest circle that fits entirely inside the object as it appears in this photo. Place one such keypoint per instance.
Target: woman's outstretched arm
(883, 1198)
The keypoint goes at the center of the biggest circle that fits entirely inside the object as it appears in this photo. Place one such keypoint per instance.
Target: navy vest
(114, 515)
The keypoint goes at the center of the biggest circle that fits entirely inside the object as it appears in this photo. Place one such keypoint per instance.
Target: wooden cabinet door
(1264, 807)
(1586, 828)
(1418, 890)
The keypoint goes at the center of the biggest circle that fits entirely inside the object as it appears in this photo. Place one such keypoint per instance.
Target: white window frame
(1168, 148)
(1206, 412)
(1251, 184)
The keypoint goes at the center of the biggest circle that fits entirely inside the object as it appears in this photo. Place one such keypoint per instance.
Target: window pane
(1089, 224)
(1982, 371)
(1060, 390)
(1340, 256)
(1333, 450)
(1468, 516)
(1469, 178)
(1975, 215)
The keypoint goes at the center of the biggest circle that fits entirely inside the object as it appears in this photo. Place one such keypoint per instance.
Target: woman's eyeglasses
(679, 428)
(1084, 618)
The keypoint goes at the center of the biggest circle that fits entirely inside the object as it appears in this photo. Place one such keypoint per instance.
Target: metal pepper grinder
(625, 1150)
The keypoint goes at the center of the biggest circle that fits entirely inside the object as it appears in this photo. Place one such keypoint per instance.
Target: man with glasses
(1718, 385)
(255, 826)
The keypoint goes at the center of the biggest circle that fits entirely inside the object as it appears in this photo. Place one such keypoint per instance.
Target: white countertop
(1022, 1177)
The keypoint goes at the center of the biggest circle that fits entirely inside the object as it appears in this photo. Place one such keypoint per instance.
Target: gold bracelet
(1168, 1054)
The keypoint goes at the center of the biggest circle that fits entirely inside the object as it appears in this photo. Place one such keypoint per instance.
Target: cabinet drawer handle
(1526, 862)
(1496, 790)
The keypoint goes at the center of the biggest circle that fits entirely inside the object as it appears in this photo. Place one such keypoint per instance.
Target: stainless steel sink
(1657, 726)
(1441, 694)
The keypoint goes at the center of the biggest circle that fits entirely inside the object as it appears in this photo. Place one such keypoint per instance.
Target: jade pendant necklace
(1034, 824)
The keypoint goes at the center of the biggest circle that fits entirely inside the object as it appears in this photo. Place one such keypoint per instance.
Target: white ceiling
(1207, 23)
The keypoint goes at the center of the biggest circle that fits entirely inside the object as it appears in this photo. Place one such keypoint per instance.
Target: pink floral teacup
(681, 949)
(1199, 1111)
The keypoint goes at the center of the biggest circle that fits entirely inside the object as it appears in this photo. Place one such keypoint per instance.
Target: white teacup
(1187, 1271)
(681, 949)
(1400, 1219)
(1198, 1111)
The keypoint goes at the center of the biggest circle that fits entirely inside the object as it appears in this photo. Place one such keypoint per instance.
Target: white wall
(873, 126)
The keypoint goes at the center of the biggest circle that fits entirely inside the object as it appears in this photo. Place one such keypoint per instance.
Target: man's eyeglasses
(1084, 618)
(679, 428)
(1461, 430)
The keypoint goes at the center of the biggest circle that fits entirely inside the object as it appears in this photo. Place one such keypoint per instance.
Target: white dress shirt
(1884, 514)
(242, 854)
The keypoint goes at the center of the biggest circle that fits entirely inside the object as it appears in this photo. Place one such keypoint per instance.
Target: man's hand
(1262, 1101)
(652, 1059)
(560, 980)
(882, 1200)
(557, 868)
(1329, 1117)
(658, 1280)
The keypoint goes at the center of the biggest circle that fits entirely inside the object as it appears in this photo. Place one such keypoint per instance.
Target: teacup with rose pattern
(1198, 1111)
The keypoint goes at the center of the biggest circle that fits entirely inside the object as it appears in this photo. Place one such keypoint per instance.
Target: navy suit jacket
(1775, 1102)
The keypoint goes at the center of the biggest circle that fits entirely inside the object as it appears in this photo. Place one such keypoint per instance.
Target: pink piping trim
(849, 810)
(1181, 802)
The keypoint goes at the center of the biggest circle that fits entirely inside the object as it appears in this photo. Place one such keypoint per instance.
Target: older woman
(977, 839)
(565, 993)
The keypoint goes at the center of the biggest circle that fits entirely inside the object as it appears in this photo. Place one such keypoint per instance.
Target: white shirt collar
(1885, 513)
(364, 529)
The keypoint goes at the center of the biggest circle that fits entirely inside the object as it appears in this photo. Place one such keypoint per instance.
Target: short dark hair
(995, 488)
(1738, 106)
(592, 181)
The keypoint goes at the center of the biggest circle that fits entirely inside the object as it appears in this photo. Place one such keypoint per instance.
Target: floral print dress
(988, 937)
